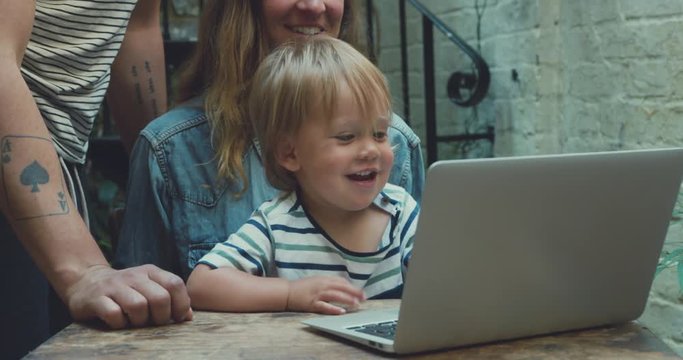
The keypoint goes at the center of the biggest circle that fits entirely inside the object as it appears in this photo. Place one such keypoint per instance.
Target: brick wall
(566, 76)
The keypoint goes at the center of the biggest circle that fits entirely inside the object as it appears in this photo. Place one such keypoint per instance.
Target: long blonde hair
(231, 44)
(304, 78)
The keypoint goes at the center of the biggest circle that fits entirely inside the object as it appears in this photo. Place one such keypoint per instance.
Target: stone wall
(567, 76)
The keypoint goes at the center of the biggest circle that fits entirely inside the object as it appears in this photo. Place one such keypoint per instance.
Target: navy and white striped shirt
(280, 240)
(67, 65)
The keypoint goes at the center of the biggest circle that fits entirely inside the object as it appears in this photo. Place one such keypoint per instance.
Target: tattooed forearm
(150, 93)
(31, 188)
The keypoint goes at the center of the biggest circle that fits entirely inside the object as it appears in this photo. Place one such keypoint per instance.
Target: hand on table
(324, 294)
(138, 296)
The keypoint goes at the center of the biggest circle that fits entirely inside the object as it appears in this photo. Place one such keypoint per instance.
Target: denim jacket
(177, 208)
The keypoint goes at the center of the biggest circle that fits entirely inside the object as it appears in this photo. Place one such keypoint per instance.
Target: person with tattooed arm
(57, 59)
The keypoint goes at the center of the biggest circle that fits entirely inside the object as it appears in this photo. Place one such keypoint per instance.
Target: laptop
(514, 247)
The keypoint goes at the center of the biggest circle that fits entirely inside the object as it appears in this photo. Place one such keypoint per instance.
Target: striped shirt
(281, 240)
(67, 65)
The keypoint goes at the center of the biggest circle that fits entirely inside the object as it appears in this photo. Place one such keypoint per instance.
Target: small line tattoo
(62, 201)
(6, 151)
(155, 108)
(151, 85)
(138, 93)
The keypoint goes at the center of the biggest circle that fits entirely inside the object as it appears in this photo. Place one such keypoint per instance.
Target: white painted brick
(463, 23)
(651, 8)
(650, 78)
(512, 50)
(608, 11)
(581, 44)
(513, 16)
(593, 81)
(389, 60)
(640, 40)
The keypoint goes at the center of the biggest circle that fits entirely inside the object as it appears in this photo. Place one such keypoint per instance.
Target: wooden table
(282, 336)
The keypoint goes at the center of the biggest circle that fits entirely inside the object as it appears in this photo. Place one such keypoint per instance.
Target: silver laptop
(513, 247)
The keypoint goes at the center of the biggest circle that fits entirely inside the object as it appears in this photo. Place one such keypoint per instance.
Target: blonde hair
(302, 78)
(231, 44)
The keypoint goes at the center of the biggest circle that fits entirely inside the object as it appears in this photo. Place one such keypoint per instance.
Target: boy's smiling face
(342, 163)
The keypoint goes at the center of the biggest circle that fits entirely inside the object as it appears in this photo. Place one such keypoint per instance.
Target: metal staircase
(465, 88)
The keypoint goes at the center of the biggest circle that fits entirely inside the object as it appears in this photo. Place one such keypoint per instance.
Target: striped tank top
(67, 65)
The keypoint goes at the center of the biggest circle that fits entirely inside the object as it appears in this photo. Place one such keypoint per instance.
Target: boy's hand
(323, 294)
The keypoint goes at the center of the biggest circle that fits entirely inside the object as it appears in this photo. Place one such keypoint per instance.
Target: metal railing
(464, 88)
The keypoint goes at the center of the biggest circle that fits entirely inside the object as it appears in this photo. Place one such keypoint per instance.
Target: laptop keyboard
(386, 329)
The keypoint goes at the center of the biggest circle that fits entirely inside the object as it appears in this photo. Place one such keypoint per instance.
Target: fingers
(342, 299)
(109, 312)
(189, 315)
(116, 306)
(342, 291)
(323, 294)
(140, 296)
(133, 306)
(179, 301)
(163, 297)
(327, 308)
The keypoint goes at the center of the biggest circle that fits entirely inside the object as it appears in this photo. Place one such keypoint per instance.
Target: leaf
(680, 276)
(670, 259)
(106, 192)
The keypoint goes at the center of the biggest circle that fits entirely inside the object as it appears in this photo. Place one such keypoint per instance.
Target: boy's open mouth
(363, 176)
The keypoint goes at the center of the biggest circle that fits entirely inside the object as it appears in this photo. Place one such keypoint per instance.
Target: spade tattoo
(34, 175)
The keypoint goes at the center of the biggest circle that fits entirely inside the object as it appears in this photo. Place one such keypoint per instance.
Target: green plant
(104, 196)
(669, 259)
(674, 257)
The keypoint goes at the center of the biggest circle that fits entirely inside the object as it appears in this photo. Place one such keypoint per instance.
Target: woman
(196, 172)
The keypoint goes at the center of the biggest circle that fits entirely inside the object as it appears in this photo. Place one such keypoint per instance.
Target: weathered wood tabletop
(282, 336)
